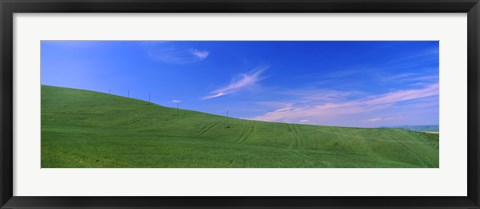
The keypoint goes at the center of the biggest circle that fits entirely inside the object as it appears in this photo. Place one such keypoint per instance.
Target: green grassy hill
(90, 129)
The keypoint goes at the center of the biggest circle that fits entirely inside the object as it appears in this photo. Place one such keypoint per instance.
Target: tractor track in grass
(340, 140)
(408, 148)
(137, 119)
(147, 122)
(295, 140)
(362, 141)
(245, 125)
(297, 134)
(207, 128)
(247, 131)
(201, 127)
(383, 140)
(175, 119)
(299, 153)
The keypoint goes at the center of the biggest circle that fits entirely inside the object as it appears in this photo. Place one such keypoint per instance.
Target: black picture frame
(9, 7)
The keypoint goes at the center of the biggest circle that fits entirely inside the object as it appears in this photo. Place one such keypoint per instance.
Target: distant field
(85, 129)
(424, 128)
(431, 132)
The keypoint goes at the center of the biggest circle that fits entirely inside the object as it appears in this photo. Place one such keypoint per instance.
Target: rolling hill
(90, 129)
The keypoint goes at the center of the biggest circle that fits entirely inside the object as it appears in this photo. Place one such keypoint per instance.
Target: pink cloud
(298, 112)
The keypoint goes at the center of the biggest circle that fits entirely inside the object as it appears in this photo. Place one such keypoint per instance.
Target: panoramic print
(240, 104)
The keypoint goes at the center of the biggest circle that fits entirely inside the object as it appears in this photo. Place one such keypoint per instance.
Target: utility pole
(227, 126)
(128, 93)
(176, 102)
(109, 91)
(148, 97)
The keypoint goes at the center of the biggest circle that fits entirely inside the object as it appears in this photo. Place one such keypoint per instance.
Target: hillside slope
(89, 129)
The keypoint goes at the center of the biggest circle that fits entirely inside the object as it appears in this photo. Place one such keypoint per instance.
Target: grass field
(88, 129)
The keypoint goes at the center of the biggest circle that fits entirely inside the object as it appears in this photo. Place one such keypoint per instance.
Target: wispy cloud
(170, 52)
(349, 72)
(311, 95)
(200, 54)
(397, 77)
(422, 56)
(404, 95)
(244, 81)
(380, 119)
(313, 110)
(415, 78)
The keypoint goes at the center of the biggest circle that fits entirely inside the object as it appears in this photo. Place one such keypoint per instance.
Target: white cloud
(176, 101)
(175, 53)
(244, 81)
(374, 119)
(200, 54)
(380, 119)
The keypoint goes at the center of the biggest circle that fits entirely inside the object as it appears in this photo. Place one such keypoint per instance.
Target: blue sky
(341, 83)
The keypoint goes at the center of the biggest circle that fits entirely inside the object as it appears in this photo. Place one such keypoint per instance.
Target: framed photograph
(239, 104)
